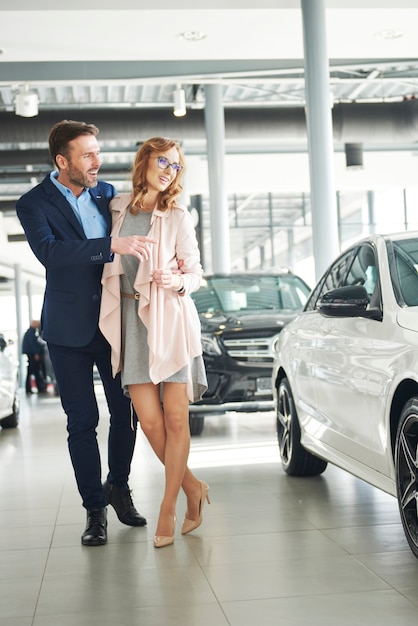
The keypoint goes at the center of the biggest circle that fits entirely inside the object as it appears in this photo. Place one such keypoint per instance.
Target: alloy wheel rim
(407, 473)
(285, 421)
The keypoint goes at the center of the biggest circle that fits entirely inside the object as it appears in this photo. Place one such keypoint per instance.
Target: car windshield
(248, 293)
(406, 265)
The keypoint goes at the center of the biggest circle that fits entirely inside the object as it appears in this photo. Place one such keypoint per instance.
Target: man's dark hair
(65, 131)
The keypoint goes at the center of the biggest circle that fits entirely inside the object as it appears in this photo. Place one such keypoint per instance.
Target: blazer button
(95, 297)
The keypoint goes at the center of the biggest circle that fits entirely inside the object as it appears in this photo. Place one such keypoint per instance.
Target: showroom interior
(232, 83)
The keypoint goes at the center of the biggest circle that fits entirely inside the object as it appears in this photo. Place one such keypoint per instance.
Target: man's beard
(80, 179)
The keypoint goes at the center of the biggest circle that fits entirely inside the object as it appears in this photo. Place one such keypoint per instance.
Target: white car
(345, 376)
(9, 386)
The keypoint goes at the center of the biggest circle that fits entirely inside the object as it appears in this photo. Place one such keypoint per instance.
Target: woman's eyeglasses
(164, 164)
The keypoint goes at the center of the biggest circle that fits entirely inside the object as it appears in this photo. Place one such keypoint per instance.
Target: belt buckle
(136, 296)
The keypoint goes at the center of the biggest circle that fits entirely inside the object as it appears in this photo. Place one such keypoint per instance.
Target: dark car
(241, 317)
(9, 386)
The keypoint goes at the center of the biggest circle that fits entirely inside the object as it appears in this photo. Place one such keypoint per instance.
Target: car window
(406, 264)
(356, 267)
(333, 279)
(251, 292)
(363, 269)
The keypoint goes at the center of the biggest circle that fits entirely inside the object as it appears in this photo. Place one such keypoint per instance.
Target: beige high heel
(161, 541)
(192, 524)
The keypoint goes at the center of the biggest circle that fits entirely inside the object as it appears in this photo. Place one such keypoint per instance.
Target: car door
(7, 379)
(341, 359)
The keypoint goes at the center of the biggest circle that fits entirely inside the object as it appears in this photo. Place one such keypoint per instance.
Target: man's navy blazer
(73, 263)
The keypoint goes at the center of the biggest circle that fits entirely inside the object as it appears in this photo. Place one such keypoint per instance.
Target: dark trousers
(35, 369)
(74, 373)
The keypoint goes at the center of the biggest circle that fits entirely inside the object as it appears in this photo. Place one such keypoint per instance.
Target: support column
(339, 218)
(196, 205)
(405, 210)
(218, 202)
(290, 249)
(320, 139)
(271, 231)
(371, 212)
(29, 295)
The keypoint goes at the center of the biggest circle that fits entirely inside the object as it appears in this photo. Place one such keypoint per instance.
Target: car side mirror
(349, 301)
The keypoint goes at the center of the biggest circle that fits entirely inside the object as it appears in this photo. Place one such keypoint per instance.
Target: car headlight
(274, 344)
(210, 345)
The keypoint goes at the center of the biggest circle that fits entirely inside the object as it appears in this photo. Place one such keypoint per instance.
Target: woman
(152, 324)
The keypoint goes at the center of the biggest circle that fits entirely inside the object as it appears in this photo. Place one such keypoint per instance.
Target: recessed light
(192, 35)
(390, 33)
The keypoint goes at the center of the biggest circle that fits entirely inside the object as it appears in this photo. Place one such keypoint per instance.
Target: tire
(406, 467)
(12, 420)
(296, 460)
(196, 424)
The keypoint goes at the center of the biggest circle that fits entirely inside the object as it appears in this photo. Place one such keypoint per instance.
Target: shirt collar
(63, 189)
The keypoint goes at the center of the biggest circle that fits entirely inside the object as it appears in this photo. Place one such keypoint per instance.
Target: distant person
(32, 346)
(67, 223)
(49, 372)
(152, 324)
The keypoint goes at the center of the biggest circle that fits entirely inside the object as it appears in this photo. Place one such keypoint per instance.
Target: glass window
(363, 270)
(251, 292)
(356, 267)
(406, 265)
(334, 278)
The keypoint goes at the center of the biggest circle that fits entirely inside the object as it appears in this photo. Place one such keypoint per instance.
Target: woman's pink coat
(171, 319)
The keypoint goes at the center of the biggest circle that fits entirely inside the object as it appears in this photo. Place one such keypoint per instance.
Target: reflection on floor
(272, 550)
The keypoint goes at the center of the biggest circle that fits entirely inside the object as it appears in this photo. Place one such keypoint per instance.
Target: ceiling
(119, 69)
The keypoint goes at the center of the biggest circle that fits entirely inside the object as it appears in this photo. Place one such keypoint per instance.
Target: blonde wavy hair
(168, 197)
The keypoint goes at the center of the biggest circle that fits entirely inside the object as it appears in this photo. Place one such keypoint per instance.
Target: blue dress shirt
(86, 210)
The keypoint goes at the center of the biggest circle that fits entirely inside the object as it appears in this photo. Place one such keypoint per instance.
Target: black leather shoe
(95, 533)
(121, 500)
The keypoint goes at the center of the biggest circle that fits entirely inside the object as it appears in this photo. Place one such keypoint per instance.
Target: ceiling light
(389, 33)
(26, 103)
(192, 35)
(179, 98)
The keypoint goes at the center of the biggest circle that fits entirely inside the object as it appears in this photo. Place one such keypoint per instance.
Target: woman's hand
(167, 279)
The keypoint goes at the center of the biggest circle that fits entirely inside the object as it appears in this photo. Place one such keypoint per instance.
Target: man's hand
(136, 245)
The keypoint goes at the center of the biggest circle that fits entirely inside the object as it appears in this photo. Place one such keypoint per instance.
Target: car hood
(222, 322)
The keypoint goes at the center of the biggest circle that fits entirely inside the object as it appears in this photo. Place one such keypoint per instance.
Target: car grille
(256, 350)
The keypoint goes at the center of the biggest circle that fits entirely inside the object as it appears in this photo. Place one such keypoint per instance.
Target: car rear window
(251, 293)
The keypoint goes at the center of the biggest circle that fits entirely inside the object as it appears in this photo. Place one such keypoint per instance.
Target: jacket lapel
(57, 199)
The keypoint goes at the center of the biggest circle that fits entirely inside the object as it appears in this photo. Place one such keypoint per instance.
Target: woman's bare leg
(169, 436)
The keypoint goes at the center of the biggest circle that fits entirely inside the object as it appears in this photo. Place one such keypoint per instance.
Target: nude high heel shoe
(192, 524)
(161, 541)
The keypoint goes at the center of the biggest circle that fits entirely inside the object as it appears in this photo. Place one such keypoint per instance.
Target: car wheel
(296, 460)
(11, 421)
(406, 464)
(196, 424)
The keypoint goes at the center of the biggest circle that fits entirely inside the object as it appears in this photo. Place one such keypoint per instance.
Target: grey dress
(135, 353)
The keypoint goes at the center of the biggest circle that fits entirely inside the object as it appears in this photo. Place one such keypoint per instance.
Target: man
(34, 350)
(67, 224)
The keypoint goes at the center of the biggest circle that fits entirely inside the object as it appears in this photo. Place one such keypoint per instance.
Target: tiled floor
(272, 550)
